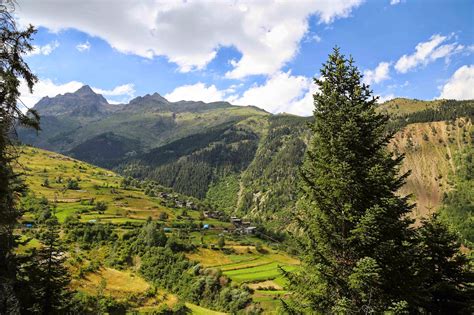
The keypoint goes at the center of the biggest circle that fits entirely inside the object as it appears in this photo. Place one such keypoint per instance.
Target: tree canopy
(358, 244)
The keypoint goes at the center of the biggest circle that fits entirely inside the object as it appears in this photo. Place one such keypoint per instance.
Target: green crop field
(199, 310)
(262, 272)
(259, 271)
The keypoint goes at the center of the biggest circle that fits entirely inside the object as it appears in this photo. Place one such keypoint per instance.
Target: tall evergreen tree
(447, 280)
(45, 275)
(356, 240)
(13, 45)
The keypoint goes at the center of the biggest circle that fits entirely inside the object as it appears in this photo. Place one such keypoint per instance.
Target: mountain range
(239, 158)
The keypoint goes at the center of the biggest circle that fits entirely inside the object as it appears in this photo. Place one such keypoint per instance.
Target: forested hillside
(241, 159)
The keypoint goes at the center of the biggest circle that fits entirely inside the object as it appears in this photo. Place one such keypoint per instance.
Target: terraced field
(260, 272)
(47, 175)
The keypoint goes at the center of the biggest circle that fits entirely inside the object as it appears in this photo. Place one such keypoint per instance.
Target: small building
(236, 221)
(205, 226)
(191, 205)
(163, 195)
(250, 230)
(213, 214)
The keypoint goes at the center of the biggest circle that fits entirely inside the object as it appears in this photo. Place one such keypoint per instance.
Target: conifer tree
(447, 279)
(355, 236)
(13, 45)
(45, 275)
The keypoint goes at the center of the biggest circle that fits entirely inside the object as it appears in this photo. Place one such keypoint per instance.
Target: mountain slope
(106, 249)
(241, 158)
(76, 122)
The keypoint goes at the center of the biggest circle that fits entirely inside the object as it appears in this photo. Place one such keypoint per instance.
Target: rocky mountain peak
(83, 102)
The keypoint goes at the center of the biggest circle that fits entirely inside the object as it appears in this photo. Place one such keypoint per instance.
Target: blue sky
(249, 53)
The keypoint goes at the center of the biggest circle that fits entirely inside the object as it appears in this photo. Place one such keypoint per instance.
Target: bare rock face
(84, 102)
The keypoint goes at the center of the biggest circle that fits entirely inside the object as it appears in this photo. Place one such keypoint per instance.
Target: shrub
(100, 206)
(72, 184)
(45, 182)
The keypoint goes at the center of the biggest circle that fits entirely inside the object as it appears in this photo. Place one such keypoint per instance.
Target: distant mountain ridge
(73, 120)
(86, 102)
(83, 102)
(240, 158)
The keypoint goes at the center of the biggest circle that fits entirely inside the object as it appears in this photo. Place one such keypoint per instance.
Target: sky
(262, 52)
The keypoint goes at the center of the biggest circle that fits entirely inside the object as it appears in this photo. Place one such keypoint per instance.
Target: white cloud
(461, 85)
(125, 89)
(189, 33)
(44, 50)
(384, 98)
(312, 37)
(46, 87)
(426, 52)
(395, 2)
(282, 92)
(83, 46)
(379, 74)
(196, 92)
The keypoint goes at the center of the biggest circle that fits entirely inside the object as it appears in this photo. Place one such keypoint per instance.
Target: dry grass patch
(242, 249)
(209, 257)
(117, 283)
(265, 285)
(429, 149)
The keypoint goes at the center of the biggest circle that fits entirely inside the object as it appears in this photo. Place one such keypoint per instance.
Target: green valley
(99, 259)
(241, 159)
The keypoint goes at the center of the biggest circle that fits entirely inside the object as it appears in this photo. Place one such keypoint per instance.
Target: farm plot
(262, 273)
(259, 270)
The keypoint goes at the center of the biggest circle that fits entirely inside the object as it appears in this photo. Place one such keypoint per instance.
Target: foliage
(458, 204)
(446, 277)
(72, 184)
(90, 234)
(359, 249)
(224, 192)
(152, 235)
(191, 164)
(14, 44)
(206, 287)
(97, 304)
(43, 276)
(46, 183)
(221, 242)
(269, 183)
(447, 110)
(356, 240)
(100, 206)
